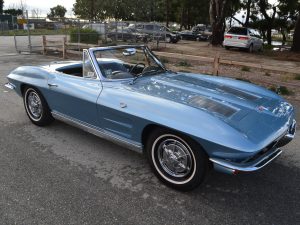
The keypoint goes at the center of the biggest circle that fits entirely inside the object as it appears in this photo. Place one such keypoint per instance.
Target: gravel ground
(62, 175)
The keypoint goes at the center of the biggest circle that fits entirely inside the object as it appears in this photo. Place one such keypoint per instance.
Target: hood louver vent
(212, 106)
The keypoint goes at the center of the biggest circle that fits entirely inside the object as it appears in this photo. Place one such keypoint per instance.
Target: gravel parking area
(62, 175)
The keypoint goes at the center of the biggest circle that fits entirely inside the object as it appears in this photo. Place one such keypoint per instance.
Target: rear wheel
(250, 49)
(227, 47)
(36, 107)
(176, 159)
(168, 39)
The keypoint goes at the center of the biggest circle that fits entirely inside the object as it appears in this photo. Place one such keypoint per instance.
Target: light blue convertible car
(185, 123)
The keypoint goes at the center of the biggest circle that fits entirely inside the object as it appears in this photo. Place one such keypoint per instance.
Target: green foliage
(267, 74)
(164, 60)
(184, 64)
(283, 90)
(57, 12)
(87, 35)
(245, 69)
(13, 12)
(34, 32)
(297, 77)
(1, 6)
(185, 12)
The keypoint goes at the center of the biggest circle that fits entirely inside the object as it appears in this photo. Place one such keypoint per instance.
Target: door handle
(123, 105)
(52, 85)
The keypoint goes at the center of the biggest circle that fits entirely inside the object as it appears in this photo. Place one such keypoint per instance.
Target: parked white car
(244, 38)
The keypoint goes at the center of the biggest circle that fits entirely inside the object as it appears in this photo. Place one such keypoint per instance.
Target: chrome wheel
(33, 105)
(174, 158)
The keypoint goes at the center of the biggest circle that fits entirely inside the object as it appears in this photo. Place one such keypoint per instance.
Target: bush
(281, 90)
(86, 35)
(245, 69)
(184, 64)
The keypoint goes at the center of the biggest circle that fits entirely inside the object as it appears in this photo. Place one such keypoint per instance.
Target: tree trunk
(246, 24)
(269, 34)
(283, 36)
(167, 12)
(217, 37)
(296, 38)
(217, 20)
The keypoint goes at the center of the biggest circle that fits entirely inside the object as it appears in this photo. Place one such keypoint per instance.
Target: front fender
(30, 75)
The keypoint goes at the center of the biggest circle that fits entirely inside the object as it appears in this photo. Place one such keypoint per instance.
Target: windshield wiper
(144, 73)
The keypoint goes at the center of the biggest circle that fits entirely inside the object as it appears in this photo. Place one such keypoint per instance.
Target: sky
(43, 5)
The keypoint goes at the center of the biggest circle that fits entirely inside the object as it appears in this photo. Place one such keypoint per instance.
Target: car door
(76, 97)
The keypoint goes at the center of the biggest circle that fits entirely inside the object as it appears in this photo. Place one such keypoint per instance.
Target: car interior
(111, 70)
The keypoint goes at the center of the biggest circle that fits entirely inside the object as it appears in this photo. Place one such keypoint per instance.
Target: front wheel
(176, 159)
(36, 107)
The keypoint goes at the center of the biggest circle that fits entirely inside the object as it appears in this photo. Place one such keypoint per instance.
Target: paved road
(62, 175)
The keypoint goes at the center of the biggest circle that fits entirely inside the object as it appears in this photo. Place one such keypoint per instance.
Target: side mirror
(129, 51)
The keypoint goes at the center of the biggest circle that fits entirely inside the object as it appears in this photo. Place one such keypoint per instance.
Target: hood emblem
(262, 108)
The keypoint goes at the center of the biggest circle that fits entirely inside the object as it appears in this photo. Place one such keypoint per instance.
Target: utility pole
(28, 31)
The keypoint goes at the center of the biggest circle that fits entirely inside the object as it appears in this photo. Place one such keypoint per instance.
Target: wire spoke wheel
(34, 105)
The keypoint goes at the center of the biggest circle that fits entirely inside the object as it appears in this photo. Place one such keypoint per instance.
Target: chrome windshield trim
(248, 167)
(124, 142)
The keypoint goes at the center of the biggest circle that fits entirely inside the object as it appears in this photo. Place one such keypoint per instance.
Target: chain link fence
(28, 38)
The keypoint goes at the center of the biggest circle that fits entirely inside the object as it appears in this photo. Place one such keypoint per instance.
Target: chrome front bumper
(10, 86)
(234, 168)
(259, 162)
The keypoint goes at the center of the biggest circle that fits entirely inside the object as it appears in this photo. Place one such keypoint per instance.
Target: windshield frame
(142, 47)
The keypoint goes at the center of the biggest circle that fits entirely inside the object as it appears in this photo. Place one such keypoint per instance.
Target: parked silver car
(244, 38)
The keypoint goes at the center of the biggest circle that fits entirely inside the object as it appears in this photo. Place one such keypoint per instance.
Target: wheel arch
(150, 127)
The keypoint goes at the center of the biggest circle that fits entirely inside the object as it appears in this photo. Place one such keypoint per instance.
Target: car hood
(256, 113)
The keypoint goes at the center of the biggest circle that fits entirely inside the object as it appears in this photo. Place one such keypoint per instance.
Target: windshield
(127, 62)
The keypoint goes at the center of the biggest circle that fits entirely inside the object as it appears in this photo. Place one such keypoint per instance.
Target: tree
(57, 12)
(13, 12)
(296, 38)
(264, 8)
(91, 9)
(1, 6)
(217, 20)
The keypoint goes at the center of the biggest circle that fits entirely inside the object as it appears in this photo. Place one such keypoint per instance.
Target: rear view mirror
(129, 51)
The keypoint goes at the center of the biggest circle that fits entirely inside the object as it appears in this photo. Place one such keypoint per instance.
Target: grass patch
(297, 77)
(243, 79)
(282, 90)
(35, 32)
(245, 69)
(164, 60)
(184, 64)
(84, 35)
(184, 71)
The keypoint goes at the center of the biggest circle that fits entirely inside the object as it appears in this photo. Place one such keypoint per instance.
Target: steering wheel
(136, 65)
